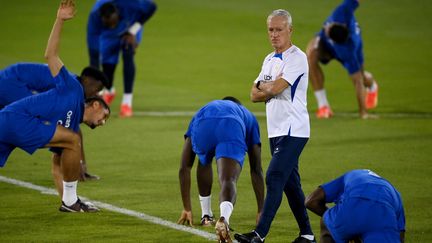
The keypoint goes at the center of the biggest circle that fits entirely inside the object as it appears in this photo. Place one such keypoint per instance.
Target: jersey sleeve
(64, 81)
(294, 69)
(345, 12)
(36, 76)
(146, 9)
(261, 74)
(188, 133)
(334, 189)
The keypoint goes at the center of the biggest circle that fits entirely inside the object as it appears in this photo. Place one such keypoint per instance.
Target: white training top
(287, 112)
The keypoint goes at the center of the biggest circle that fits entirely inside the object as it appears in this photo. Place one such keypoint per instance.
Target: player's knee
(274, 178)
(74, 141)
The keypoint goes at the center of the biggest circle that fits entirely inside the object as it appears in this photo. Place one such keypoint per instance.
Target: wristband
(258, 84)
(135, 28)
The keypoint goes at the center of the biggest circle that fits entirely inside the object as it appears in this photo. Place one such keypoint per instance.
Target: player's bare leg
(316, 77)
(205, 182)
(229, 171)
(70, 168)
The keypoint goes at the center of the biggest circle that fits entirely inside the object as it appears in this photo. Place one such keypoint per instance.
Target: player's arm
(263, 91)
(257, 177)
(316, 203)
(65, 12)
(187, 161)
(145, 9)
(358, 81)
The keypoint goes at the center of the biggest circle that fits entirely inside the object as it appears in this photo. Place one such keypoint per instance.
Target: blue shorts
(12, 90)
(218, 138)
(23, 131)
(351, 58)
(110, 48)
(357, 217)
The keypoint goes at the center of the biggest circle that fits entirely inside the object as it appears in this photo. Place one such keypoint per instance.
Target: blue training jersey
(130, 11)
(347, 53)
(24, 79)
(367, 185)
(63, 105)
(228, 109)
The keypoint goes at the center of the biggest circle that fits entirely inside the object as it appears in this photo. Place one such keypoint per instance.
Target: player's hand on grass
(66, 10)
(186, 218)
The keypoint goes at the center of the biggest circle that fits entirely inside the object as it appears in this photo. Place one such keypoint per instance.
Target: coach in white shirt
(282, 85)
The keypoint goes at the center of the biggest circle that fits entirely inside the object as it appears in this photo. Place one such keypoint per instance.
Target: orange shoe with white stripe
(125, 111)
(108, 97)
(324, 112)
(372, 98)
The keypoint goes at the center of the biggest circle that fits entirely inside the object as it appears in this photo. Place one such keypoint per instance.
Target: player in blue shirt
(20, 80)
(340, 39)
(24, 79)
(226, 130)
(114, 26)
(367, 207)
(52, 118)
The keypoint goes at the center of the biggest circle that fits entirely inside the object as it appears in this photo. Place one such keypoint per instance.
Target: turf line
(109, 207)
(418, 115)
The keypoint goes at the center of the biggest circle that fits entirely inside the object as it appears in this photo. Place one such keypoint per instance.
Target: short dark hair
(95, 74)
(233, 99)
(107, 9)
(93, 99)
(338, 33)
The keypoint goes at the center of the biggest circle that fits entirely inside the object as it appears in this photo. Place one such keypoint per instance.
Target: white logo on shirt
(68, 119)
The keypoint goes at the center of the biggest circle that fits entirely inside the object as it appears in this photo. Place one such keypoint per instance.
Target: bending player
(367, 207)
(51, 119)
(340, 39)
(20, 80)
(226, 130)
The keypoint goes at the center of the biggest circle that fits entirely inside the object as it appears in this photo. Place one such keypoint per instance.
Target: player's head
(110, 15)
(338, 32)
(279, 29)
(93, 81)
(233, 99)
(96, 112)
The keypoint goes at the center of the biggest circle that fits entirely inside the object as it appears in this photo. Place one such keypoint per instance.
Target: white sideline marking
(262, 114)
(109, 207)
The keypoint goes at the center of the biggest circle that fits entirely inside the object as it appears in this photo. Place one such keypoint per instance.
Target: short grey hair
(282, 13)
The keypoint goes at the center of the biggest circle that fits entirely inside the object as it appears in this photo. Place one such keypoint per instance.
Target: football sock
(309, 237)
(321, 97)
(127, 99)
(226, 209)
(69, 192)
(206, 206)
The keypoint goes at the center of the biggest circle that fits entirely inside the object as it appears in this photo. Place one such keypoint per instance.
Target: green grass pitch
(195, 51)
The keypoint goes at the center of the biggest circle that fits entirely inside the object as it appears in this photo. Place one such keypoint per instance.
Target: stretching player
(367, 207)
(340, 39)
(226, 130)
(52, 118)
(20, 80)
